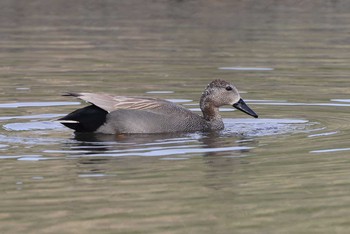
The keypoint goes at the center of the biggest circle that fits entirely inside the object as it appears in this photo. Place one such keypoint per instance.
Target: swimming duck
(111, 114)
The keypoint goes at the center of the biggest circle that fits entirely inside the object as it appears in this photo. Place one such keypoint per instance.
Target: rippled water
(286, 172)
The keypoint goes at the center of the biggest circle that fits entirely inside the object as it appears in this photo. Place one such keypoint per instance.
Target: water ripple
(300, 104)
(265, 127)
(37, 104)
(330, 150)
(164, 152)
(247, 68)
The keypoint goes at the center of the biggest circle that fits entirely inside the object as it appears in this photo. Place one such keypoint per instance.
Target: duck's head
(220, 92)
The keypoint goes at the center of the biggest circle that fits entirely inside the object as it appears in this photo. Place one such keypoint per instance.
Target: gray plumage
(120, 114)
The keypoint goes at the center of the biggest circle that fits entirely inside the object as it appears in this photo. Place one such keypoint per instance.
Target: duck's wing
(111, 103)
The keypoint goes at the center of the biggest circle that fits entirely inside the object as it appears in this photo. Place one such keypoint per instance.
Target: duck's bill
(240, 105)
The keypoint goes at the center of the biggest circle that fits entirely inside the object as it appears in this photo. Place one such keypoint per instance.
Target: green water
(286, 172)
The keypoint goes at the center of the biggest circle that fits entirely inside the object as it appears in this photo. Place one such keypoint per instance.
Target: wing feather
(111, 103)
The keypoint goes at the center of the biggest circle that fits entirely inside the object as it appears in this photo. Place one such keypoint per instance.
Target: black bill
(240, 105)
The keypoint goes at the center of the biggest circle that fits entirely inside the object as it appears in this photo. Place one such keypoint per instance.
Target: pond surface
(286, 172)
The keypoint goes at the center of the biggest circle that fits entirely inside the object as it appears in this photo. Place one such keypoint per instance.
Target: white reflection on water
(40, 116)
(31, 140)
(322, 134)
(36, 104)
(37, 125)
(247, 68)
(165, 152)
(179, 100)
(340, 100)
(330, 150)
(299, 104)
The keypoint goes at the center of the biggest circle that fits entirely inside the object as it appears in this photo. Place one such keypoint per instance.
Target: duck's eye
(228, 88)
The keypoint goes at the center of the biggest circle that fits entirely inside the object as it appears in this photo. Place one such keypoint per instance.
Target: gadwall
(119, 114)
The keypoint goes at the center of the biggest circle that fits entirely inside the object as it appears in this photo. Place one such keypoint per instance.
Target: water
(286, 172)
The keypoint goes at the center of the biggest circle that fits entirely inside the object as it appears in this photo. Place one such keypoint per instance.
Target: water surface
(286, 172)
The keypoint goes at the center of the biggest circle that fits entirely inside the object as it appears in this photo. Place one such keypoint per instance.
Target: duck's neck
(211, 114)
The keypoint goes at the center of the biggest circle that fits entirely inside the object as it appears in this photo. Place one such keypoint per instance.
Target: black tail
(87, 119)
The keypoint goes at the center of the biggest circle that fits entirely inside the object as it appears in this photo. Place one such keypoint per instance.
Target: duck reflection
(206, 144)
(220, 154)
(222, 166)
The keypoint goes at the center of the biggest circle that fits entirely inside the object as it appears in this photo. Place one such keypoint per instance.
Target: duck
(110, 114)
